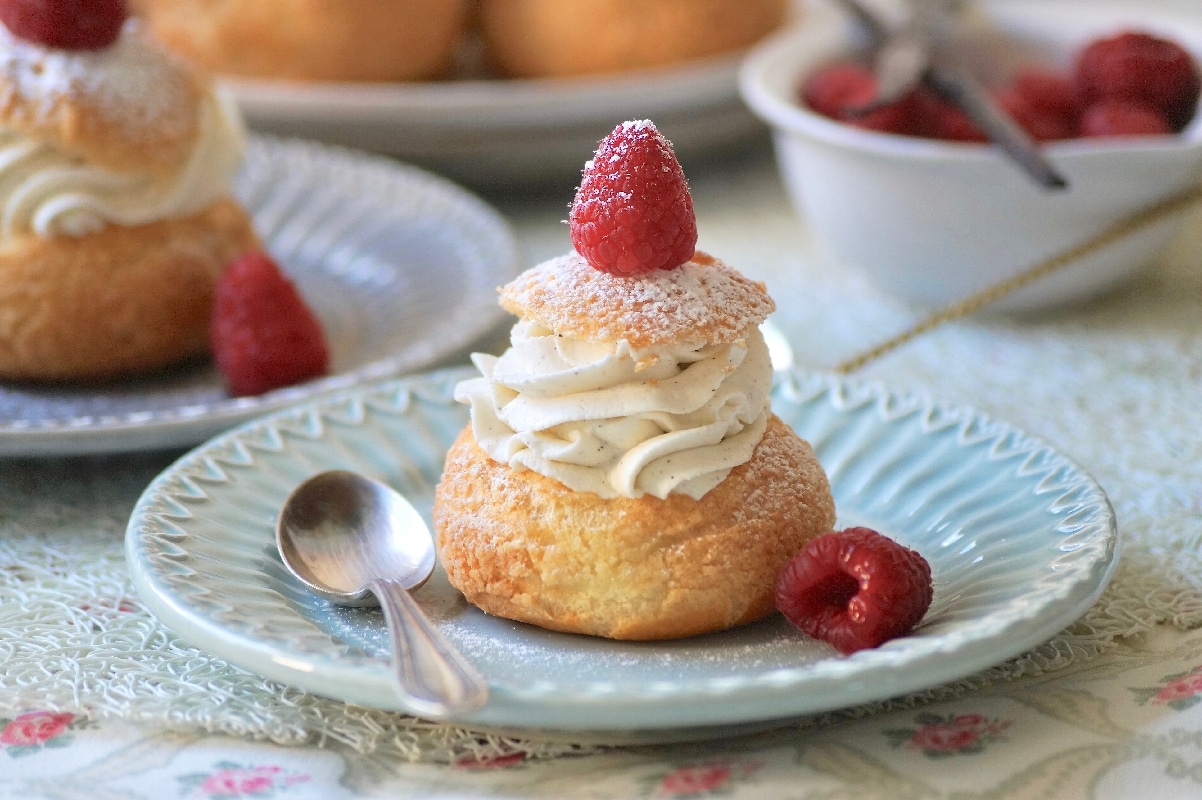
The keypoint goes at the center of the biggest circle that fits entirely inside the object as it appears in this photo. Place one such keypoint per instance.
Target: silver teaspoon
(356, 542)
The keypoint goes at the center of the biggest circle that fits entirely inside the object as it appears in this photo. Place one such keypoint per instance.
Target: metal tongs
(917, 51)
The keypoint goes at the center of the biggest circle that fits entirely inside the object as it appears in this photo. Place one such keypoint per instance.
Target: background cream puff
(116, 214)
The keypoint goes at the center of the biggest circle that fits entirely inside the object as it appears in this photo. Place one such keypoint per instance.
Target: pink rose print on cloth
(708, 779)
(230, 780)
(29, 733)
(1178, 692)
(953, 735)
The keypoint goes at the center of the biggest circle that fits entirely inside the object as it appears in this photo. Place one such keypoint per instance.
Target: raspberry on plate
(1134, 65)
(263, 335)
(633, 212)
(65, 24)
(854, 589)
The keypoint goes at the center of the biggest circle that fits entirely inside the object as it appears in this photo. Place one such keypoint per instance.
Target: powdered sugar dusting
(703, 301)
(629, 126)
(131, 83)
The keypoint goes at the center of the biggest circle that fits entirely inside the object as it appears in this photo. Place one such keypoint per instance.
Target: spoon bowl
(339, 530)
(356, 542)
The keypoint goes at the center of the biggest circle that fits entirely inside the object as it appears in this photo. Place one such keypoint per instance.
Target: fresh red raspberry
(946, 121)
(1048, 92)
(841, 89)
(263, 335)
(904, 117)
(838, 86)
(633, 212)
(1123, 118)
(1134, 65)
(65, 24)
(854, 589)
(1042, 125)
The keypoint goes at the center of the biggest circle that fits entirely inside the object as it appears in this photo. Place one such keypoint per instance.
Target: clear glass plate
(401, 266)
(1021, 542)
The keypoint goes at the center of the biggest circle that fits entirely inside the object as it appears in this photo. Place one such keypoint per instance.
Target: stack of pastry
(405, 40)
(623, 474)
(116, 164)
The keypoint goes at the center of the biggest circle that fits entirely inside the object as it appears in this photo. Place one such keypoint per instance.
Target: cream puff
(552, 38)
(312, 40)
(623, 474)
(116, 212)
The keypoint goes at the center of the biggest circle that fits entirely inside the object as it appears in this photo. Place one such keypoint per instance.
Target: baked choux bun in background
(312, 40)
(545, 38)
(116, 219)
(623, 474)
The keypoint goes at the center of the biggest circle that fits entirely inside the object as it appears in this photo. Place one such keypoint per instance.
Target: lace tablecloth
(98, 699)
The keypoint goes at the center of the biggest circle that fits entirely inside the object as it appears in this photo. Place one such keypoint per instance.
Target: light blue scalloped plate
(1021, 542)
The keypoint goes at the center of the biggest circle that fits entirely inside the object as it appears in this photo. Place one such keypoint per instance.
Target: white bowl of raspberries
(912, 193)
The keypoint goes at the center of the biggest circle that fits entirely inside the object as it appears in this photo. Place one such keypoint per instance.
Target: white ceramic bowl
(932, 222)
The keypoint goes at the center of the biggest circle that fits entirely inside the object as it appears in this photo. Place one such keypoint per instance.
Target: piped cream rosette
(610, 419)
(649, 412)
(623, 418)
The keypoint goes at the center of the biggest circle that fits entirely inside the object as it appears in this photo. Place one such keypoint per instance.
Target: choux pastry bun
(116, 215)
(526, 547)
(312, 40)
(551, 38)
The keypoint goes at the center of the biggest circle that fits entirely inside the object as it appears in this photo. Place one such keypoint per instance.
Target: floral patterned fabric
(1126, 725)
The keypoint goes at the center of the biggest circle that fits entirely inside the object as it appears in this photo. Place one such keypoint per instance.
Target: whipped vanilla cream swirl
(49, 192)
(620, 422)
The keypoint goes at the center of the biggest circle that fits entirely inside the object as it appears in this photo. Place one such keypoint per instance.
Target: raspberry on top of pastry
(623, 474)
(116, 218)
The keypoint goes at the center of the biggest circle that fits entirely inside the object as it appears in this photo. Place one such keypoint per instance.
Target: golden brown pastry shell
(573, 299)
(117, 301)
(523, 546)
(545, 38)
(85, 118)
(315, 40)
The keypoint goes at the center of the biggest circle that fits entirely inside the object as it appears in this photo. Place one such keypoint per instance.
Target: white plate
(401, 267)
(490, 132)
(1020, 540)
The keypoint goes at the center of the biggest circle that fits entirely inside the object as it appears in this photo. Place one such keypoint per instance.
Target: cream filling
(47, 192)
(621, 422)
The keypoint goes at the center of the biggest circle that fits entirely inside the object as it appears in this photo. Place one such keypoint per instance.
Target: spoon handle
(433, 677)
